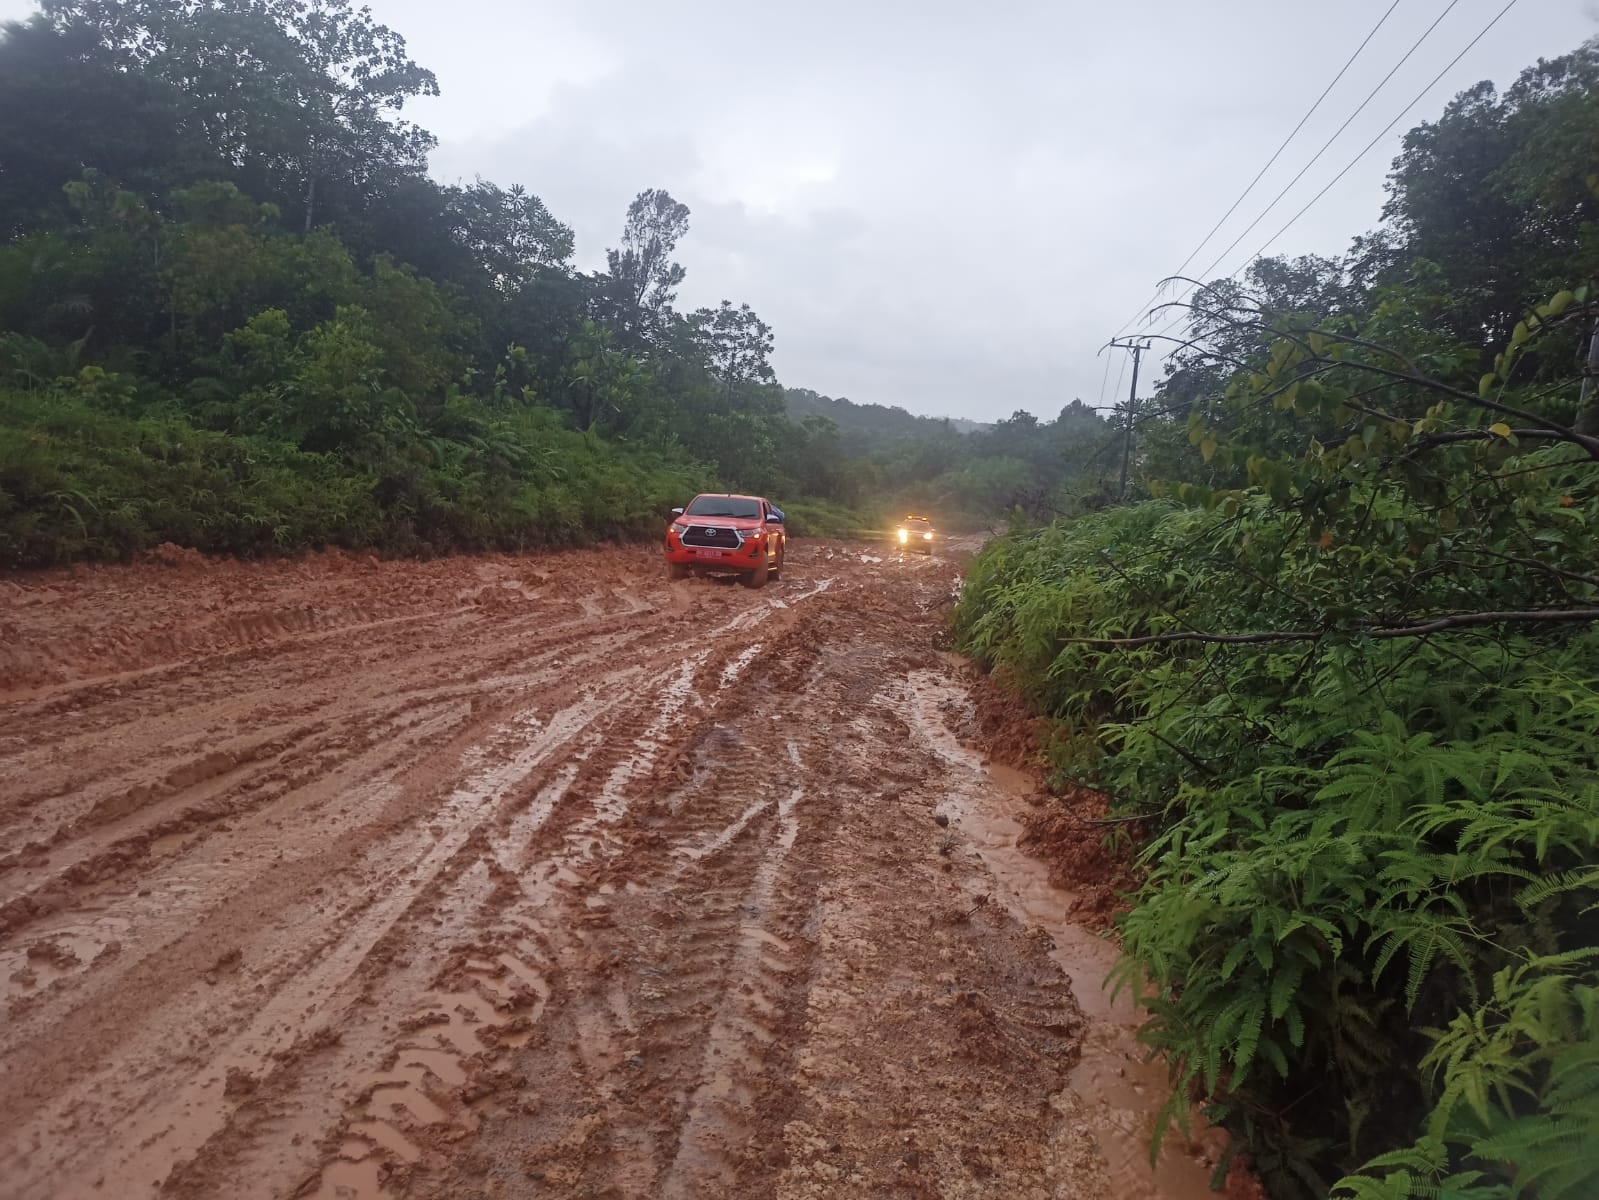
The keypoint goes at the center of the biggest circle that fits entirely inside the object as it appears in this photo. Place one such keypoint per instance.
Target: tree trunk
(1588, 409)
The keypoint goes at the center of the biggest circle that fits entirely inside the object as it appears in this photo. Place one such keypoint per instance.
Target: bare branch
(1412, 376)
(1437, 625)
(1592, 580)
(1371, 412)
(1408, 373)
(1198, 764)
(1483, 435)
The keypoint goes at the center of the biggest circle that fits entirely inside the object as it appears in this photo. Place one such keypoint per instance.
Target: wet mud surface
(534, 876)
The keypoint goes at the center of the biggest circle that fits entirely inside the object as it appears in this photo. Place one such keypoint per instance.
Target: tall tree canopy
(643, 278)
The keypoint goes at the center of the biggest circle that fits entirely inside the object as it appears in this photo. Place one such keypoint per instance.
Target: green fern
(1383, 828)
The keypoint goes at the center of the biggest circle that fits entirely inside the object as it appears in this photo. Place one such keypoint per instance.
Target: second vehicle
(916, 533)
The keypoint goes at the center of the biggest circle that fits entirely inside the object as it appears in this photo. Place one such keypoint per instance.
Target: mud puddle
(1118, 1089)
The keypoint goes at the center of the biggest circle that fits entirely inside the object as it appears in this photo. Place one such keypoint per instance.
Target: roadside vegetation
(1340, 664)
(237, 314)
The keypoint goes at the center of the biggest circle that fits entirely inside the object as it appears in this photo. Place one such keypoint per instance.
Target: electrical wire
(1371, 145)
(1327, 145)
(1276, 154)
(1367, 149)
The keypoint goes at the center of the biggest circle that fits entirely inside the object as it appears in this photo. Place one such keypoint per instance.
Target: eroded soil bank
(526, 877)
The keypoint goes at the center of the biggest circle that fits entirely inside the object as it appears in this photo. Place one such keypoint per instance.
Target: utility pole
(1137, 347)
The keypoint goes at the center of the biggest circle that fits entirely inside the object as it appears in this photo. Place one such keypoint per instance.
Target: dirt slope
(526, 877)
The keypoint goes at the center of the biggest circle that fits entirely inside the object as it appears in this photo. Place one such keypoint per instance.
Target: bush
(820, 518)
(1370, 902)
(78, 481)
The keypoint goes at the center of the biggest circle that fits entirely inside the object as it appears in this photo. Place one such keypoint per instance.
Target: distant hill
(867, 427)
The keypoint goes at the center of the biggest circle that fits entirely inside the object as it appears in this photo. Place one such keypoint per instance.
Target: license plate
(711, 553)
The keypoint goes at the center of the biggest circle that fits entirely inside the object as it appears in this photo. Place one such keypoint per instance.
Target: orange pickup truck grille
(713, 536)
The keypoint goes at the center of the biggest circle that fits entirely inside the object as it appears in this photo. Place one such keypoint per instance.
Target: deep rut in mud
(530, 877)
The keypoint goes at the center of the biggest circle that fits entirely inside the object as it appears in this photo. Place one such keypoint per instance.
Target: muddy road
(527, 877)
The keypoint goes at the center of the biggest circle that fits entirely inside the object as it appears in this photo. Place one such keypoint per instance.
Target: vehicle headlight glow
(928, 536)
(904, 535)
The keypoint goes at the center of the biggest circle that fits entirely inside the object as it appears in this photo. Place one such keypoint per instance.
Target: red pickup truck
(727, 534)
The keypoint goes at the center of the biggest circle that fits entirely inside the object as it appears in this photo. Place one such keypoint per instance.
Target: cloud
(901, 209)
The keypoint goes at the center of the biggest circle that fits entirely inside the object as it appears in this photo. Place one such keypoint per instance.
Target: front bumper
(749, 556)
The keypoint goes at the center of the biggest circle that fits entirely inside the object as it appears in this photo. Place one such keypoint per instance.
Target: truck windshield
(724, 506)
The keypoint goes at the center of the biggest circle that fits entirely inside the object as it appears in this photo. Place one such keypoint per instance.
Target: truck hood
(742, 524)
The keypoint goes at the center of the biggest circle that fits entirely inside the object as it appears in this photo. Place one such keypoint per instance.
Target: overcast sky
(948, 206)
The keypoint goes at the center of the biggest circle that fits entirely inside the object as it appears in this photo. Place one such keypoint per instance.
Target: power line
(1327, 145)
(1371, 145)
(1315, 158)
(1367, 149)
(1276, 154)
(1103, 380)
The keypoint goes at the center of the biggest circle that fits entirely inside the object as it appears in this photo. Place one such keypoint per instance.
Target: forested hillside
(968, 474)
(870, 427)
(1340, 667)
(236, 313)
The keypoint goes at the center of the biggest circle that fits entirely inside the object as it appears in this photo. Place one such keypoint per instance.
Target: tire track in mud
(51, 766)
(744, 1025)
(491, 995)
(650, 1075)
(142, 815)
(253, 1048)
(304, 974)
(510, 877)
(700, 908)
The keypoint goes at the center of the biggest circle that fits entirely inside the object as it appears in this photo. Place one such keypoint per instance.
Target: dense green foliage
(1344, 661)
(235, 312)
(81, 480)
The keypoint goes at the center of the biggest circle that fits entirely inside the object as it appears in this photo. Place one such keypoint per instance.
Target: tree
(62, 111)
(736, 344)
(817, 464)
(1495, 194)
(299, 97)
(602, 386)
(643, 279)
(509, 232)
(1345, 684)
